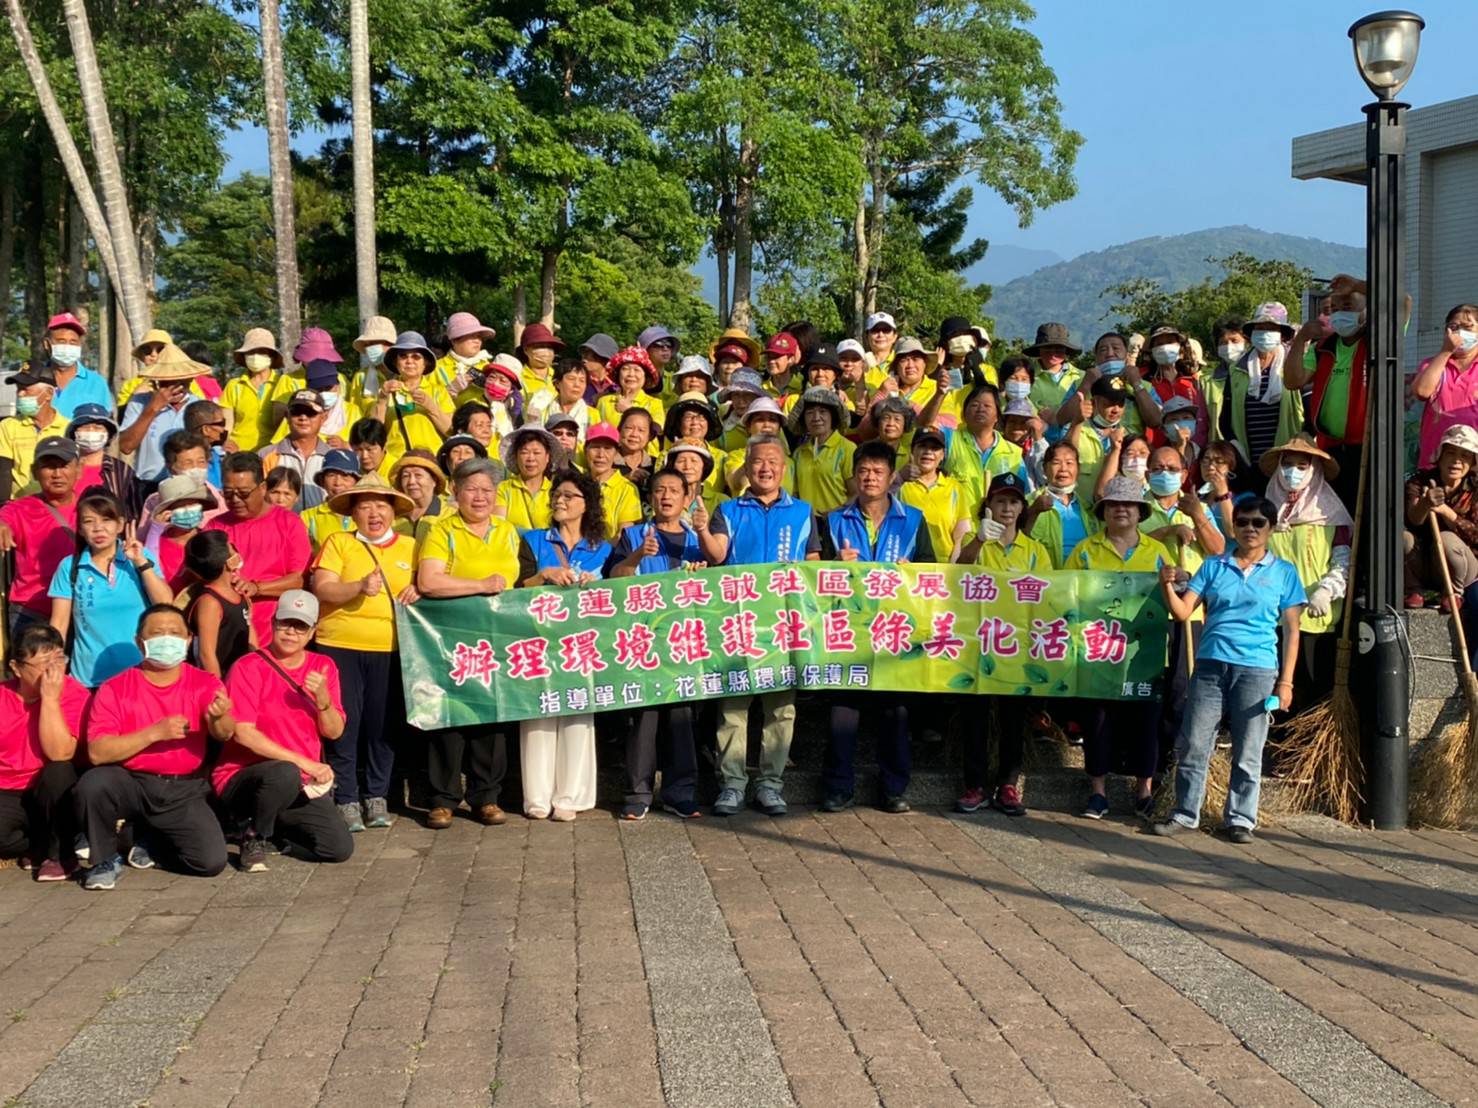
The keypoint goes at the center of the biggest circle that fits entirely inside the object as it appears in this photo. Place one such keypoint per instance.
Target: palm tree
(280, 160)
(366, 275)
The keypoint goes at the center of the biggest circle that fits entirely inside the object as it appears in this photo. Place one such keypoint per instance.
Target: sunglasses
(1255, 522)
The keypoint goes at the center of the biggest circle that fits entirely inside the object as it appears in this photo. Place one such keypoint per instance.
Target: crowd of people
(205, 569)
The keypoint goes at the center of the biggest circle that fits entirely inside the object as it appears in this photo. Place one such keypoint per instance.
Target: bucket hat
(829, 398)
(419, 459)
(1123, 490)
(1271, 313)
(405, 342)
(463, 325)
(377, 328)
(315, 343)
(601, 345)
(690, 402)
(1053, 334)
(536, 334)
(258, 340)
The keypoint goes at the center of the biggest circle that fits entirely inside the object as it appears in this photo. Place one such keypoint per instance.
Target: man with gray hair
(763, 526)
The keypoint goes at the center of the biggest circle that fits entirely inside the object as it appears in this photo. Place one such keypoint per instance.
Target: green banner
(643, 641)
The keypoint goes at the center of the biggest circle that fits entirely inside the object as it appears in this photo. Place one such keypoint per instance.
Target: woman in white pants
(557, 754)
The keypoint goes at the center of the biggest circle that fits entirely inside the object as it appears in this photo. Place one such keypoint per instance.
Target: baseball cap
(1007, 482)
(66, 319)
(298, 605)
(928, 435)
(55, 446)
(29, 375)
(881, 319)
(1111, 387)
(1177, 404)
(306, 398)
(340, 461)
(850, 346)
(602, 432)
(824, 355)
(782, 342)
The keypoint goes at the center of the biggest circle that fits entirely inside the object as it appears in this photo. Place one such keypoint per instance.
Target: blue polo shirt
(85, 388)
(1243, 608)
(547, 545)
(148, 460)
(104, 615)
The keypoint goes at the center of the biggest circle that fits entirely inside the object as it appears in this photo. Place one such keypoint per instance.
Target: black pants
(1177, 682)
(1121, 736)
(363, 757)
(895, 756)
(39, 821)
(1011, 714)
(269, 797)
(481, 750)
(176, 809)
(662, 738)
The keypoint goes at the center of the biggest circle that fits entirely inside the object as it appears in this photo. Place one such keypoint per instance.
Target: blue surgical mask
(329, 399)
(1017, 390)
(374, 354)
(1099, 421)
(165, 650)
(1165, 483)
(1295, 478)
(187, 518)
(1267, 340)
(66, 353)
(1346, 324)
(1179, 430)
(1112, 368)
(1167, 354)
(27, 406)
(1466, 340)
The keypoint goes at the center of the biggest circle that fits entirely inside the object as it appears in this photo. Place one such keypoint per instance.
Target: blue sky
(1205, 145)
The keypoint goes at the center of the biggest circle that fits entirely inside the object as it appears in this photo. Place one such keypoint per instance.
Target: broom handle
(1457, 619)
(1190, 649)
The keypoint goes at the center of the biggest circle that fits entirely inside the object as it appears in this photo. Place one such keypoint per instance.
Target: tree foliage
(1141, 304)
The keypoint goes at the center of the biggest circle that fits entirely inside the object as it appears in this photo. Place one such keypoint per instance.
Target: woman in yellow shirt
(528, 458)
(359, 576)
(630, 368)
(413, 406)
(249, 397)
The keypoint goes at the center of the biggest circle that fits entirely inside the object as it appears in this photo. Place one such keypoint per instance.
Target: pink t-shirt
(21, 757)
(261, 697)
(130, 702)
(41, 542)
(1455, 402)
(272, 545)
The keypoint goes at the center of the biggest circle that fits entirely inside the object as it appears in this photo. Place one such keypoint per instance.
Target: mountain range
(1071, 292)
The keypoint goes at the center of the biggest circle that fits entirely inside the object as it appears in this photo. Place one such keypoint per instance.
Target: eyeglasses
(241, 494)
(567, 495)
(1257, 523)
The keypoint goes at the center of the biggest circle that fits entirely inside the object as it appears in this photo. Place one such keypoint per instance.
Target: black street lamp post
(1386, 46)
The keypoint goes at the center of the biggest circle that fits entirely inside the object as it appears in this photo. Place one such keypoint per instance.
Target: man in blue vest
(764, 526)
(874, 526)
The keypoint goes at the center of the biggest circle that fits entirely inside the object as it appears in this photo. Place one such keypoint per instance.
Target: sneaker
(770, 801)
(50, 870)
(729, 803)
(81, 849)
(1415, 600)
(1168, 827)
(104, 875)
(1239, 834)
(1144, 807)
(895, 805)
(1097, 806)
(1446, 605)
(971, 800)
(1008, 800)
(352, 816)
(634, 812)
(253, 858)
(683, 809)
(836, 802)
(377, 812)
(139, 857)
(930, 737)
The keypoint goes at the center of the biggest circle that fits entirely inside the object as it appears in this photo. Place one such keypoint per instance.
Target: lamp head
(1386, 45)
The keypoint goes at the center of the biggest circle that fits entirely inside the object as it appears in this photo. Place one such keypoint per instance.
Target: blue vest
(779, 533)
(659, 562)
(898, 534)
(547, 545)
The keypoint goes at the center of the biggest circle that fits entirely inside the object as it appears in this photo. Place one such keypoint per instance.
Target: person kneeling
(271, 778)
(146, 738)
(40, 719)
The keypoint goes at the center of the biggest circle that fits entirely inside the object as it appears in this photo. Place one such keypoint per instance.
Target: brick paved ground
(816, 960)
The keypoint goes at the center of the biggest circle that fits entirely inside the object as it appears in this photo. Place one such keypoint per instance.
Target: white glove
(1319, 601)
(990, 530)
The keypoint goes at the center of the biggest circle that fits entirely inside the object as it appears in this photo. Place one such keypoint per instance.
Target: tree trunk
(861, 259)
(366, 274)
(741, 312)
(148, 250)
(110, 174)
(74, 280)
(548, 269)
(7, 251)
(875, 233)
(279, 159)
(721, 253)
(105, 327)
(62, 136)
(35, 227)
(520, 311)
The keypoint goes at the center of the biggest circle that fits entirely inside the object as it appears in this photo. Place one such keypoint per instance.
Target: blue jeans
(1223, 690)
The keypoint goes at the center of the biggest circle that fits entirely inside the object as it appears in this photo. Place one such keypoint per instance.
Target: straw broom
(1446, 773)
(1320, 747)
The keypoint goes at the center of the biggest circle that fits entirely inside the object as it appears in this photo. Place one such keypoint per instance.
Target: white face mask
(196, 474)
(1267, 340)
(961, 344)
(255, 363)
(66, 353)
(1134, 467)
(374, 353)
(329, 399)
(90, 442)
(1166, 355)
(1231, 352)
(1346, 324)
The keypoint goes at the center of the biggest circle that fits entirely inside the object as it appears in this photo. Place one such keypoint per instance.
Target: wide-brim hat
(693, 446)
(1270, 313)
(736, 336)
(829, 398)
(183, 489)
(258, 340)
(694, 363)
(913, 346)
(746, 381)
(512, 442)
(338, 461)
(654, 334)
(371, 484)
(377, 328)
(601, 345)
(464, 325)
(443, 455)
(691, 402)
(1053, 334)
(84, 414)
(315, 343)
(953, 327)
(174, 365)
(419, 459)
(152, 337)
(405, 342)
(764, 405)
(1123, 490)
(1301, 443)
(1460, 437)
(1165, 329)
(537, 334)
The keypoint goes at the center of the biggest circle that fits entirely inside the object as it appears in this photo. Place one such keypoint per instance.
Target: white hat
(878, 318)
(850, 346)
(1461, 437)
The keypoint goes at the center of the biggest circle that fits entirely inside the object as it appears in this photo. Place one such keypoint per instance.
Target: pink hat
(316, 344)
(602, 431)
(66, 319)
(464, 325)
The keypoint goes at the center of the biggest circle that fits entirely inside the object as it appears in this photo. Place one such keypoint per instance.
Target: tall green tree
(1142, 304)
